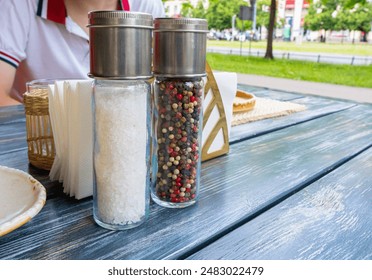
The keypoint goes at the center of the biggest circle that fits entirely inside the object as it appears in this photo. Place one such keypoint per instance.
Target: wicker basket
(41, 149)
(243, 101)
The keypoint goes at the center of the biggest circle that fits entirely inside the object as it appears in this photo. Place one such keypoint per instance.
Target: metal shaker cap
(120, 18)
(120, 45)
(181, 24)
(180, 47)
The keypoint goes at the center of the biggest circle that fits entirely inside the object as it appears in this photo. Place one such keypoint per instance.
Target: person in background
(48, 39)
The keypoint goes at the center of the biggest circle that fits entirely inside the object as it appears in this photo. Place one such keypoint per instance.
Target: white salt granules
(120, 157)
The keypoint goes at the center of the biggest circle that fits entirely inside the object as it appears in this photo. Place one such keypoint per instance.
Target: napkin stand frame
(221, 123)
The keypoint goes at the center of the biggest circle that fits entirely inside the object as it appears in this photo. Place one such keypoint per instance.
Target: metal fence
(319, 58)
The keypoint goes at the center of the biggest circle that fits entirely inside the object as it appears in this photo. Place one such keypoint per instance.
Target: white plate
(21, 198)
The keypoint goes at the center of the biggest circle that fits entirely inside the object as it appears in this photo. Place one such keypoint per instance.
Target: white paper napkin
(227, 84)
(56, 113)
(71, 119)
(84, 145)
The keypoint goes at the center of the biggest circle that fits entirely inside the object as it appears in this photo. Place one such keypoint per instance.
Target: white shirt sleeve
(154, 7)
(15, 19)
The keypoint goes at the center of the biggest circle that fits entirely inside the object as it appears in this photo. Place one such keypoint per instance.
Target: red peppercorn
(192, 98)
(179, 96)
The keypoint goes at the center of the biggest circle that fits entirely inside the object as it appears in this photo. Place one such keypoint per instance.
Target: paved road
(315, 57)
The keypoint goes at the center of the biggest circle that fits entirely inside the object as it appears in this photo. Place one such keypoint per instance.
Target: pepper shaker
(179, 67)
(122, 116)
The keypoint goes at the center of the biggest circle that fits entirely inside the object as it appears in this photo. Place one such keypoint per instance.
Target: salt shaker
(179, 67)
(122, 116)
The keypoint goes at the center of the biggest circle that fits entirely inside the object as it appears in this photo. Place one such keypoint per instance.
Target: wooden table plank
(12, 137)
(16, 159)
(330, 219)
(316, 107)
(13, 131)
(12, 114)
(270, 93)
(255, 175)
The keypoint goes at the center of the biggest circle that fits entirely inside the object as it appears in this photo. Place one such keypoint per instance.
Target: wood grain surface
(330, 219)
(316, 108)
(258, 174)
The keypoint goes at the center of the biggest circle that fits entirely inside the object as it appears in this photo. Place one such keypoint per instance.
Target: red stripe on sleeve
(11, 57)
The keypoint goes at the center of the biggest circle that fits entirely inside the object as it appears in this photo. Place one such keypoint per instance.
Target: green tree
(263, 13)
(349, 4)
(360, 18)
(220, 12)
(339, 15)
(190, 11)
(321, 15)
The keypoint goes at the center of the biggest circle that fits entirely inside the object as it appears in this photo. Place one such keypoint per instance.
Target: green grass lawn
(358, 76)
(315, 47)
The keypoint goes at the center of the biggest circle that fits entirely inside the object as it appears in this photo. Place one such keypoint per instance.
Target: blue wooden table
(294, 187)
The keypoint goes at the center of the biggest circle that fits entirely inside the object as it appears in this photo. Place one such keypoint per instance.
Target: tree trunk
(269, 48)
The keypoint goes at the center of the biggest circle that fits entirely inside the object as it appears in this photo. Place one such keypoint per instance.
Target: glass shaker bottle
(122, 116)
(179, 67)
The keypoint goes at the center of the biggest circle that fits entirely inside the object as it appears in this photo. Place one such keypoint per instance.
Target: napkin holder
(220, 91)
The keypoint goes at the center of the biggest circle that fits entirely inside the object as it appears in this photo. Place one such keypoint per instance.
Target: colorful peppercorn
(178, 104)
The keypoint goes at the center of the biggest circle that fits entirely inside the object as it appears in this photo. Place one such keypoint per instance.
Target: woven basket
(243, 101)
(41, 149)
